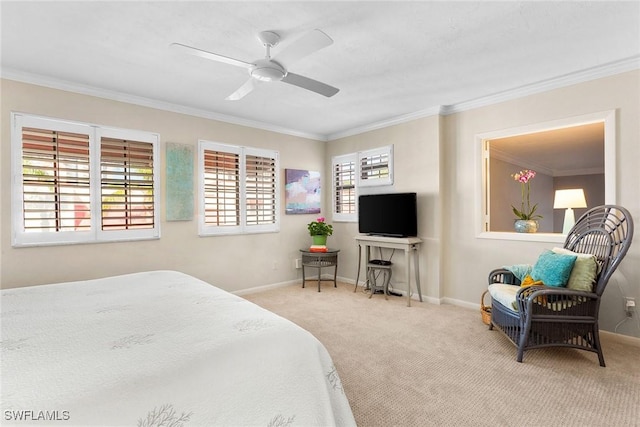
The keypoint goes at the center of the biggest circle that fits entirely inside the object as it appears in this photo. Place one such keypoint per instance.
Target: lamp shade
(572, 198)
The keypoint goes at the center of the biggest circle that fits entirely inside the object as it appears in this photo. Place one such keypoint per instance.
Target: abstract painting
(179, 182)
(302, 191)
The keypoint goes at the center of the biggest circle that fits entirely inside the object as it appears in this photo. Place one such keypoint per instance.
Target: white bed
(132, 349)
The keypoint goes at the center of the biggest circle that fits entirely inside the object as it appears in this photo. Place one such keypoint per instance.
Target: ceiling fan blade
(306, 45)
(208, 55)
(247, 87)
(310, 84)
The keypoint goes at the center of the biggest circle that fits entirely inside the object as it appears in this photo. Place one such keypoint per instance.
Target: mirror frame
(482, 161)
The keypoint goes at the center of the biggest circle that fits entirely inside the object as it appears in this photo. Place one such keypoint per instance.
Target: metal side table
(320, 260)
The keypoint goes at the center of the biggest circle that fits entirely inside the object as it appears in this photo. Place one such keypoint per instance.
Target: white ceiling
(389, 59)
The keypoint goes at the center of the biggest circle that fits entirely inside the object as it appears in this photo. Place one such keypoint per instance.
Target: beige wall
(434, 156)
(230, 262)
(468, 259)
(416, 151)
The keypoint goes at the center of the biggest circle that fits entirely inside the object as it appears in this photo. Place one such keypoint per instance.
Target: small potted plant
(319, 230)
(527, 219)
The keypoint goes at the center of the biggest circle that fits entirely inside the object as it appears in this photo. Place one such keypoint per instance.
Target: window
(81, 183)
(549, 148)
(376, 166)
(239, 190)
(344, 188)
(55, 181)
(351, 171)
(127, 183)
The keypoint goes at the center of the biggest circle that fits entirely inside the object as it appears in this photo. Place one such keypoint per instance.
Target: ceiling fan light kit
(272, 70)
(267, 70)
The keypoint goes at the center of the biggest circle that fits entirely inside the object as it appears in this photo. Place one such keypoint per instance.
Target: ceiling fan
(274, 69)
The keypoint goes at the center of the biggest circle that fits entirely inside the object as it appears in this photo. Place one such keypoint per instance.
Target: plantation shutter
(55, 181)
(127, 184)
(221, 188)
(238, 189)
(344, 174)
(81, 183)
(376, 166)
(260, 189)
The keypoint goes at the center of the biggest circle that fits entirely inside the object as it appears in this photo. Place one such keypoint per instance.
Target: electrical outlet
(298, 263)
(629, 305)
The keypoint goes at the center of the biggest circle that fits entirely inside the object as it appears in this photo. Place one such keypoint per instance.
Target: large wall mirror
(575, 153)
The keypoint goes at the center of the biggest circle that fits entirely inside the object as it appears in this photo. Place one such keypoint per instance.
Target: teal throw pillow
(553, 269)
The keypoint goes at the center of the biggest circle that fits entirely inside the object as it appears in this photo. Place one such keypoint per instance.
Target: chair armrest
(502, 275)
(562, 298)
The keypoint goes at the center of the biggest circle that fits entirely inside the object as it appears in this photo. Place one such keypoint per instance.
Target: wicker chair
(567, 318)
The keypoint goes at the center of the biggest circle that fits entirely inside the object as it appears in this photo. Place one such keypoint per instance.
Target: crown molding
(606, 70)
(527, 163)
(68, 86)
(433, 111)
(523, 163)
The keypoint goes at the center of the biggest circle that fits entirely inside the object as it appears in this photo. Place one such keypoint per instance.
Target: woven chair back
(606, 232)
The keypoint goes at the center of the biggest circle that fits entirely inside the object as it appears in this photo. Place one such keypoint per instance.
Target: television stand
(408, 244)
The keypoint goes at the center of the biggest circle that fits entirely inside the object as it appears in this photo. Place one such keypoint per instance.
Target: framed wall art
(302, 191)
(179, 180)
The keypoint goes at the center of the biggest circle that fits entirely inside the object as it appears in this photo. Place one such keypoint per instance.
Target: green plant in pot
(527, 219)
(319, 230)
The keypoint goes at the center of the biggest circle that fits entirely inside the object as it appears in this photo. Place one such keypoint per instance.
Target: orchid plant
(524, 177)
(320, 228)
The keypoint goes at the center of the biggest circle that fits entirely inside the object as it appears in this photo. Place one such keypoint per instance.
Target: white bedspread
(153, 348)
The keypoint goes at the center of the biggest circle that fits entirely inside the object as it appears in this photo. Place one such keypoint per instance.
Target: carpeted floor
(439, 365)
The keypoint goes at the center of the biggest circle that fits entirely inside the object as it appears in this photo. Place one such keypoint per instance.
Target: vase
(525, 225)
(319, 240)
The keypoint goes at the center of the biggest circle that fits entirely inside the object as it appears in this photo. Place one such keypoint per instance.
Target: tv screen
(392, 215)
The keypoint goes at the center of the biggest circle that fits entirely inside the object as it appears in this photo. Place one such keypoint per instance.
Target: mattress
(159, 348)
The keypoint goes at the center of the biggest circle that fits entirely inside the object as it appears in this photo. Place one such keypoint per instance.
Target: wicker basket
(485, 311)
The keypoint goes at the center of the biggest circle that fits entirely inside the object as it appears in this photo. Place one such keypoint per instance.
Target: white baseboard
(265, 287)
(298, 281)
(461, 303)
(402, 292)
(430, 300)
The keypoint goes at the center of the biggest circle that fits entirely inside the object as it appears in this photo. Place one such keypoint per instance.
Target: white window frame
(140, 136)
(340, 160)
(358, 158)
(20, 238)
(369, 156)
(483, 187)
(242, 228)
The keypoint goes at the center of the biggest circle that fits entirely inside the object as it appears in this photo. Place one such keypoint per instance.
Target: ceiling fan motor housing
(267, 70)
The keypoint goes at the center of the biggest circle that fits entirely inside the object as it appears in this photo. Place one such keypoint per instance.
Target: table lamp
(569, 199)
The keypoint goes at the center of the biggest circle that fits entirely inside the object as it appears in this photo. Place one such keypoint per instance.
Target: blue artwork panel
(179, 179)
(302, 191)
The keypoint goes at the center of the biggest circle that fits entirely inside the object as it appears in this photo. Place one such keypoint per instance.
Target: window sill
(345, 220)
(41, 243)
(524, 237)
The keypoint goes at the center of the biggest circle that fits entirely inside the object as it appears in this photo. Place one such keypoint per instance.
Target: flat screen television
(392, 215)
